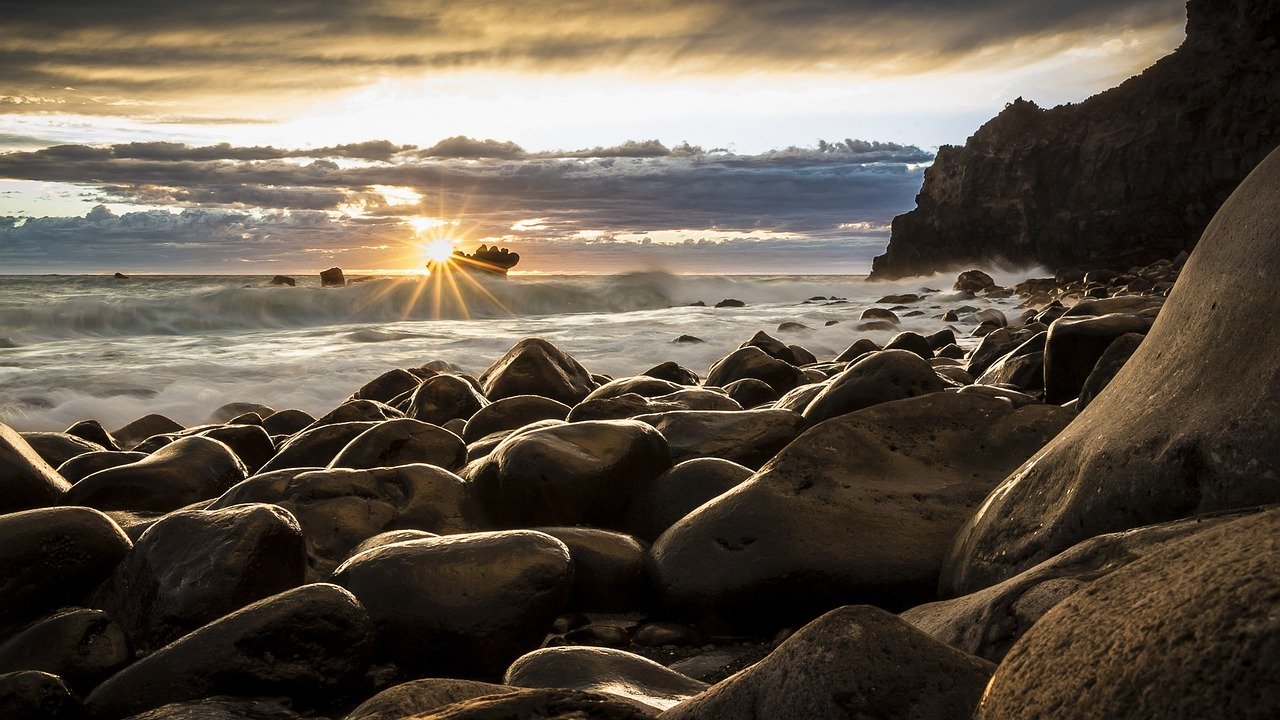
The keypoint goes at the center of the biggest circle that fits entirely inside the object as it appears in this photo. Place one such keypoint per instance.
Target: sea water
(78, 347)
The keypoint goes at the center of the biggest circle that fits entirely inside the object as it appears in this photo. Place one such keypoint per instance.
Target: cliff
(1128, 176)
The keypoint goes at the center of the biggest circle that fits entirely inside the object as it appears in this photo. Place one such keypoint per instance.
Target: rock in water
(853, 662)
(185, 471)
(332, 277)
(1187, 427)
(317, 446)
(861, 507)
(603, 670)
(534, 366)
(466, 605)
(26, 480)
(303, 644)
(1186, 632)
(192, 567)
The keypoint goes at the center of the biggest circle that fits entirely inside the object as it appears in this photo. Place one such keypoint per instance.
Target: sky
(237, 136)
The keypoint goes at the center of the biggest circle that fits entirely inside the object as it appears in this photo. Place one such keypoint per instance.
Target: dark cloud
(88, 56)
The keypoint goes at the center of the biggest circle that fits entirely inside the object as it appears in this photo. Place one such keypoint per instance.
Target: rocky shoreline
(779, 536)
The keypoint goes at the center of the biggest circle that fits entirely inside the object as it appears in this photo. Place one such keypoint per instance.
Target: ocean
(79, 347)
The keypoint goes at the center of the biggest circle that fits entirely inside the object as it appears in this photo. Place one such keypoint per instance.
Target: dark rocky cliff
(1130, 175)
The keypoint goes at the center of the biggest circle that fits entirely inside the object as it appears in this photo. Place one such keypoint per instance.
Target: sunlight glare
(439, 250)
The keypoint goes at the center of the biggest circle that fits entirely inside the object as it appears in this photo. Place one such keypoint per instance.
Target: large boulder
(679, 491)
(340, 508)
(543, 704)
(303, 644)
(853, 662)
(465, 605)
(26, 480)
(512, 413)
(192, 567)
(79, 645)
(1188, 631)
(403, 441)
(317, 446)
(859, 508)
(444, 397)
(419, 697)
(56, 448)
(752, 362)
(1187, 427)
(608, 569)
(746, 437)
(583, 473)
(534, 366)
(603, 670)
(222, 707)
(37, 695)
(876, 378)
(183, 472)
(1074, 346)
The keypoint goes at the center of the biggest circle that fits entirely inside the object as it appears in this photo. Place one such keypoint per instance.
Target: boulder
(56, 448)
(862, 507)
(222, 707)
(193, 567)
(642, 385)
(443, 398)
(286, 422)
(1074, 346)
(485, 445)
(534, 366)
(511, 413)
(750, 392)
(1116, 355)
(1187, 631)
(419, 697)
(752, 362)
(973, 281)
(35, 695)
(876, 378)
(679, 491)
(26, 480)
(583, 473)
(911, 342)
(93, 431)
(80, 646)
(673, 371)
(603, 670)
(463, 604)
(853, 662)
(144, 427)
(51, 557)
(340, 508)
(229, 411)
(543, 704)
(772, 347)
(357, 411)
(332, 277)
(746, 437)
(304, 644)
(388, 386)
(82, 466)
(403, 441)
(1022, 368)
(608, 569)
(1186, 427)
(183, 472)
(860, 347)
(316, 447)
(996, 344)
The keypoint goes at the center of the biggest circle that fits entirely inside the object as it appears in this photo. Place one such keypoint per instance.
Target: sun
(439, 250)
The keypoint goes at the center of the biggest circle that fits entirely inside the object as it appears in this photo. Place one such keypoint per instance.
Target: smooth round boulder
(604, 670)
(583, 473)
(608, 569)
(222, 707)
(26, 480)
(511, 413)
(752, 362)
(465, 605)
(1186, 427)
(534, 366)
(998, 343)
(144, 427)
(193, 567)
(403, 441)
(543, 704)
(876, 378)
(853, 662)
(746, 437)
(641, 385)
(444, 397)
(36, 695)
(56, 448)
(860, 508)
(388, 386)
(183, 472)
(1188, 631)
(93, 431)
(304, 644)
(316, 447)
(750, 392)
(225, 413)
(419, 697)
(82, 466)
(1074, 346)
(79, 645)
(679, 491)
(340, 508)
(357, 411)
(673, 371)
(52, 557)
(286, 422)
(1116, 355)
(911, 342)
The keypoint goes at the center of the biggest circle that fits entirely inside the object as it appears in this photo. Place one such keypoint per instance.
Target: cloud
(269, 203)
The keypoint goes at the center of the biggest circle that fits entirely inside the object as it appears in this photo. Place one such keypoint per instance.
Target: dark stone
(792, 327)
(443, 398)
(674, 372)
(973, 281)
(403, 441)
(222, 707)
(534, 366)
(144, 427)
(303, 644)
(577, 474)
(853, 662)
(544, 704)
(78, 645)
(608, 569)
(641, 385)
(1195, 619)
(877, 378)
(730, 303)
(286, 422)
(388, 538)
(93, 431)
(679, 491)
(657, 634)
(511, 413)
(746, 437)
(604, 670)
(316, 447)
(862, 507)
(750, 392)
(185, 471)
(332, 277)
(1114, 358)
(752, 362)
(225, 413)
(996, 344)
(941, 339)
(419, 697)
(879, 314)
(26, 480)
(388, 386)
(485, 445)
(357, 411)
(904, 299)
(1074, 346)
(463, 604)
(688, 339)
(82, 466)
(250, 443)
(860, 347)
(193, 567)
(1022, 368)
(283, 280)
(339, 508)
(35, 695)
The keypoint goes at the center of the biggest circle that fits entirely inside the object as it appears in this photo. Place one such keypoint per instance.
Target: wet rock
(142, 428)
(388, 538)
(79, 645)
(886, 669)
(93, 431)
(443, 398)
(792, 327)
(419, 697)
(485, 445)
(193, 567)
(35, 695)
(332, 277)
(82, 466)
(655, 634)
(222, 708)
(1195, 619)
(876, 326)
(582, 473)
(941, 339)
(997, 344)
(303, 644)
(185, 471)
(511, 413)
(679, 491)
(903, 299)
(642, 385)
(340, 508)
(230, 410)
(973, 281)
(403, 441)
(730, 303)
(689, 340)
(877, 378)
(57, 448)
(1018, 399)
(880, 314)
(750, 392)
(357, 411)
(388, 386)
(1114, 358)
(860, 347)
(1022, 368)
(862, 507)
(544, 704)
(746, 437)
(603, 670)
(1185, 428)
(26, 480)
(675, 372)
(608, 569)
(752, 362)
(250, 443)
(316, 447)
(463, 604)
(1074, 346)
(534, 366)
(286, 422)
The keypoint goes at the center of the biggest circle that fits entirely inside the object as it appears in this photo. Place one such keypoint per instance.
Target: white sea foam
(81, 347)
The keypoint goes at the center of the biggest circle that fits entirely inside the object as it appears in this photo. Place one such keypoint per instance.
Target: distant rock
(690, 339)
(730, 303)
(285, 280)
(332, 277)
(973, 281)
(120, 276)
